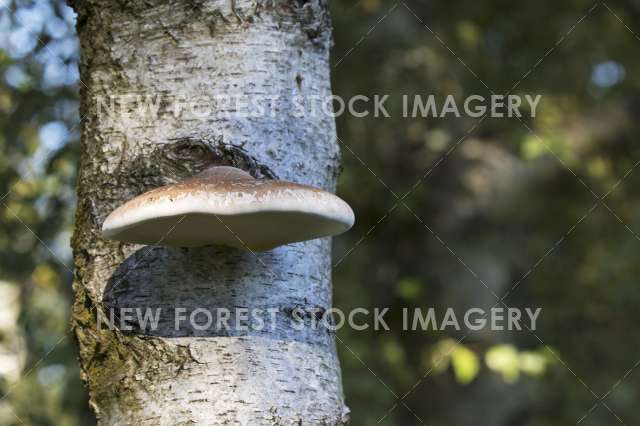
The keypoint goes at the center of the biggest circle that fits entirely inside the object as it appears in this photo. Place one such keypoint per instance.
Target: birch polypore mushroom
(227, 206)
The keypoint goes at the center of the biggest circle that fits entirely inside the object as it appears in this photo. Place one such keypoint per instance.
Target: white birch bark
(181, 51)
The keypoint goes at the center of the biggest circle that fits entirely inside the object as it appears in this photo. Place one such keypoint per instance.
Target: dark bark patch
(186, 156)
(167, 285)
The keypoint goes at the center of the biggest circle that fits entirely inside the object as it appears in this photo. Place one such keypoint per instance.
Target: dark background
(451, 212)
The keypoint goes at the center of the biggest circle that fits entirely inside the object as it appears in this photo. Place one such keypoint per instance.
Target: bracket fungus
(227, 206)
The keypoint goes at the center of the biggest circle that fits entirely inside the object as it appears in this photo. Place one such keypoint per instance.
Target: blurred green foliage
(513, 199)
(516, 201)
(39, 151)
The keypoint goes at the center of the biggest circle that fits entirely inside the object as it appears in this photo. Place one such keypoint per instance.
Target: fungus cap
(227, 206)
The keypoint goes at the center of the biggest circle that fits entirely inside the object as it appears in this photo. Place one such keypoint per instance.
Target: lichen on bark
(181, 50)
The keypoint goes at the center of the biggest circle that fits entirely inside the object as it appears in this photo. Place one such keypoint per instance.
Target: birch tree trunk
(176, 52)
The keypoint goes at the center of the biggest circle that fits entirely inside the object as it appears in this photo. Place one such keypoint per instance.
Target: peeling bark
(181, 50)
